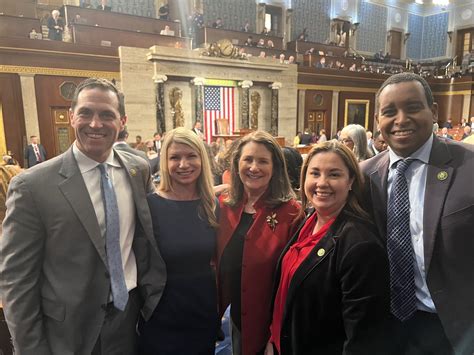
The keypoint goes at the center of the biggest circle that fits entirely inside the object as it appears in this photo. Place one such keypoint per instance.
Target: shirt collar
(422, 154)
(86, 164)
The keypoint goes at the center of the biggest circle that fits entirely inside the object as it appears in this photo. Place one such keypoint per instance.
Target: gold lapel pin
(133, 172)
(321, 252)
(442, 175)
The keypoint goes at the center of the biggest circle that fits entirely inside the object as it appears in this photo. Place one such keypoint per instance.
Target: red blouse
(292, 260)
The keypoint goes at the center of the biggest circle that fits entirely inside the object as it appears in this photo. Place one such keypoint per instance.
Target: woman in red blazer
(256, 220)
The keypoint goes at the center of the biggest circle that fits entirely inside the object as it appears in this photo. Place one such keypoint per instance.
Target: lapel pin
(442, 175)
(321, 252)
(133, 172)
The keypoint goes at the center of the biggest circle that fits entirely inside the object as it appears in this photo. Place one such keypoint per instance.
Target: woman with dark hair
(256, 220)
(332, 291)
(293, 160)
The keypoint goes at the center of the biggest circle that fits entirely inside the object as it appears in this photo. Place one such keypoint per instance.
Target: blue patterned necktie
(112, 240)
(399, 246)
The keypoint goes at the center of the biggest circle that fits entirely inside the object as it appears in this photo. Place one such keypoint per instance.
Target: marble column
(28, 93)
(335, 113)
(276, 86)
(199, 99)
(160, 102)
(244, 104)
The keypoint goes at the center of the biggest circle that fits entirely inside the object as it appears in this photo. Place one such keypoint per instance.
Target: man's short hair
(102, 84)
(404, 78)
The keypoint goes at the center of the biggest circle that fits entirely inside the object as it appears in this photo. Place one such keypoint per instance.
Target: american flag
(218, 103)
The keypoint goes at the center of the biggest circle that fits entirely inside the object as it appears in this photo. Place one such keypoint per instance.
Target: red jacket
(262, 249)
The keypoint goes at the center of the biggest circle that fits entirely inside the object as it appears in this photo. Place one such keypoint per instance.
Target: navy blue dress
(185, 320)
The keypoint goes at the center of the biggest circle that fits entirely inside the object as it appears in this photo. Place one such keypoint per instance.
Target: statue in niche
(255, 99)
(176, 94)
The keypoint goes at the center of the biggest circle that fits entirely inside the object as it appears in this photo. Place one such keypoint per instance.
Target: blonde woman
(184, 224)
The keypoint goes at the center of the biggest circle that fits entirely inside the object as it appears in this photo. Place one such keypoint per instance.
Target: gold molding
(352, 101)
(14, 69)
(76, 54)
(454, 93)
(335, 88)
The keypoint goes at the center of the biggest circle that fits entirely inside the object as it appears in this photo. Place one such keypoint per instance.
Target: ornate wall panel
(132, 7)
(415, 27)
(313, 15)
(434, 35)
(372, 34)
(234, 13)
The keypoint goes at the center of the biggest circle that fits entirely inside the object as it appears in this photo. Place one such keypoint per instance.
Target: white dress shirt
(416, 175)
(91, 175)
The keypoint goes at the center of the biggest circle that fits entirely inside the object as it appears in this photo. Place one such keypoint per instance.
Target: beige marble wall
(138, 66)
(29, 106)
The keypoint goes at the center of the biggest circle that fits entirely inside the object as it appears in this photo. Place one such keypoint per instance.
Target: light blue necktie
(399, 247)
(112, 240)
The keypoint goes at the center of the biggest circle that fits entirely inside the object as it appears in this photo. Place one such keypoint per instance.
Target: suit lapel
(137, 184)
(437, 183)
(378, 192)
(75, 192)
(320, 252)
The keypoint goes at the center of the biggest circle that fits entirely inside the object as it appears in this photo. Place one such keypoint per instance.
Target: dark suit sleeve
(21, 261)
(365, 296)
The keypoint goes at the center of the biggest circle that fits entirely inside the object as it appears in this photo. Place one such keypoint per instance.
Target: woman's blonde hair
(353, 203)
(279, 188)
(205, 189)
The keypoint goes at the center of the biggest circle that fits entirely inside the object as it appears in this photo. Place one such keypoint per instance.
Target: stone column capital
(198, 81)
(159, 78)
(246, 84)
(276, 85)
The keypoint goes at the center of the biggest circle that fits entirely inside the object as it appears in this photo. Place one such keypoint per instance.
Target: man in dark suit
(198, 130)
(78, 257)
(55, 26)
(121, 144)
(34, 152)
(438, 290)
(378, 144)
(445, 134)
(103, 6)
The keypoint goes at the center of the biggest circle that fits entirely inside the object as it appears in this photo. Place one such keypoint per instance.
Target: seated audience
(218, 23)
(103, 6)
(246, 27)
(265, 31)
(303, 36)
(332, 293)
(249, 42)
(167, 31)
(445, 134)
(163, 12)
(322, 136)
(55, 26)
(184, 225)
(270, 44)
(256, 220)
(467, 132)
(355, 138)
(261, 43)
(321, 63)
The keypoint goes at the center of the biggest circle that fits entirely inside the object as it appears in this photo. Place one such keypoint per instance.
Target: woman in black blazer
(331, 292)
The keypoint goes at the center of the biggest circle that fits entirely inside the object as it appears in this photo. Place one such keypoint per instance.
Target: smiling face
(327, 184)
(404, 117)
(255, 168)
(184, 165)
(96, 122)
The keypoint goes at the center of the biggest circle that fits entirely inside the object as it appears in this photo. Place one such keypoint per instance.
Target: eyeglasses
(347, 141)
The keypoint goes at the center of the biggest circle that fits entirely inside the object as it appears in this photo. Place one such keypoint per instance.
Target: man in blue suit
(34, 153)
(439, 244)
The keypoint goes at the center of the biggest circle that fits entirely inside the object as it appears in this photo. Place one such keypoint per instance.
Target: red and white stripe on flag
(219, 102)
